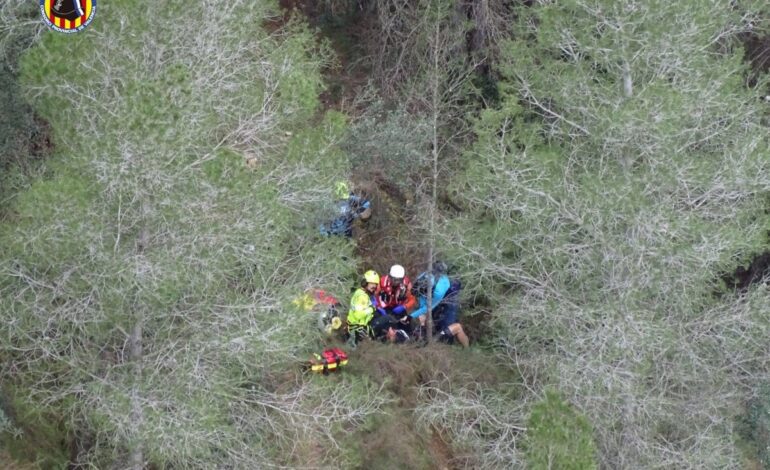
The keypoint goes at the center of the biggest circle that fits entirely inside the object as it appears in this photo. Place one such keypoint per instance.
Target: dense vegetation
(592, 171)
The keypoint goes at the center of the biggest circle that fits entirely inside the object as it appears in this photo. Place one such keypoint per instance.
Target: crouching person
(350, 207)
(362, 309)
(445, 305)
(395, 298)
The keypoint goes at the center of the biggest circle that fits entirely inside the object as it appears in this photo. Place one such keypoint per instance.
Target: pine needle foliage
(147, 283)
(624, 169)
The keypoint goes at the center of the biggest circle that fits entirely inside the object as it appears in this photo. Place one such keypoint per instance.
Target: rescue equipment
(330, 360)
(329, 320)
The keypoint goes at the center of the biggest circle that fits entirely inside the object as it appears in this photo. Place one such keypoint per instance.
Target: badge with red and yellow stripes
(67, 16)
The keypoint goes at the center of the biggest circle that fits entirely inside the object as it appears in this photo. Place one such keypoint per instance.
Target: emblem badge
(67, 16)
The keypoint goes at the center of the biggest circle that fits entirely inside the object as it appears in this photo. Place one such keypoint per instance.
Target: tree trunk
(436, 105)
(135, 356)
(137, 416)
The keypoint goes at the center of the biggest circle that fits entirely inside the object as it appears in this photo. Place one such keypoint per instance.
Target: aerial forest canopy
(595, 173)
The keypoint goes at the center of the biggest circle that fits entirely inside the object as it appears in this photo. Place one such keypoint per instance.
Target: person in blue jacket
(350, 206)
(445, 304)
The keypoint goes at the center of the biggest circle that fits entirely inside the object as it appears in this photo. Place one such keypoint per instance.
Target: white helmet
(397, 271)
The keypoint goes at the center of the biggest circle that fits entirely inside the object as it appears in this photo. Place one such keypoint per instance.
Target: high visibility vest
(361, 308)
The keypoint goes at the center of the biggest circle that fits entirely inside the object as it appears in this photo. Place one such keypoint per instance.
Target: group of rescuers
(385, 307)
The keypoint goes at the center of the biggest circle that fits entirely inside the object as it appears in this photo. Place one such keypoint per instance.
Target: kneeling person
(362, 308)
(395, 298)
(350, 207)
(445, 305)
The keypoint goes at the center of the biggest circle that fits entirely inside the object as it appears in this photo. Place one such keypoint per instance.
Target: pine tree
(624, 170)
(147, 281)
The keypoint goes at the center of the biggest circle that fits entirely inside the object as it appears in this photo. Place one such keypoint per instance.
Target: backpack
(421, 284)
(454, 289)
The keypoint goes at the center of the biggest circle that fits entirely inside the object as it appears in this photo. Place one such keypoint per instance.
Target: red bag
(330, 360)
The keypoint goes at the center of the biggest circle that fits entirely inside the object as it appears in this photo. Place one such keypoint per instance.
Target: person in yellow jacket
(362, 308)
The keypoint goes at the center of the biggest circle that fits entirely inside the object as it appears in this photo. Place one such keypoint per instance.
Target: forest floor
(7, 463)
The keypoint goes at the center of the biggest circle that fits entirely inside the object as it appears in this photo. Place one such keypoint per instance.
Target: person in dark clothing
(445, 305)
(350, 207)
(389, 331)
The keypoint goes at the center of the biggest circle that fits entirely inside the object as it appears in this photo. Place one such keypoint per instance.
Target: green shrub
(32, 435)
(754, 427)
(392, 142)
(558, 436)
